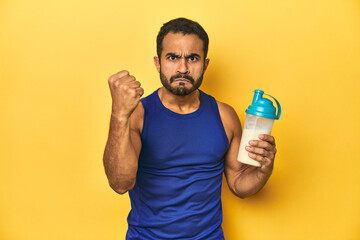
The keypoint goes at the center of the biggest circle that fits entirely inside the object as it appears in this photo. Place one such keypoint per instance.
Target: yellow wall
(56, 56)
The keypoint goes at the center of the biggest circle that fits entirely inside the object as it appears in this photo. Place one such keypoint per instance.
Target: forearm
(120, 158)
(249, 182)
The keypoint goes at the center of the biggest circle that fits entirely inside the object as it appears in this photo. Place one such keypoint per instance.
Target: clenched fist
(125, 93)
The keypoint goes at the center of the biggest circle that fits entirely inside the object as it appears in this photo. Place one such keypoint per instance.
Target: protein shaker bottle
(259, 120)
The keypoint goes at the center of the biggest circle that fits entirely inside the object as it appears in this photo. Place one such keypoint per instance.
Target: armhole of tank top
(216, 108)
(144, 128)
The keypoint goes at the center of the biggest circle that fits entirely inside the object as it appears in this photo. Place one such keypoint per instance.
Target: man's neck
(180, 104)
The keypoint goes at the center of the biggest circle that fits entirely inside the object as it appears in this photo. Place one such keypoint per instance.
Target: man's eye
(192, 59)
(172, 58)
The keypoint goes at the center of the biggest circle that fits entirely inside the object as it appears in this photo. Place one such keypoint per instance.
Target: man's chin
(181, 90)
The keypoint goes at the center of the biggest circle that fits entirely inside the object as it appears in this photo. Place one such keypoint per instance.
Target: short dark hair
(185, 26)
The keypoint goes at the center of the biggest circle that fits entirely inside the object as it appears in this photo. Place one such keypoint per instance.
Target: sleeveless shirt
(177, 194)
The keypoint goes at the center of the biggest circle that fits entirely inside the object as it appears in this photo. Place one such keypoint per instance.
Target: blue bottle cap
(263, 107)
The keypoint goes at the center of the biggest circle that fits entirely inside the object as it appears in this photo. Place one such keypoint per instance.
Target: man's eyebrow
(170, 54)
(193, 55)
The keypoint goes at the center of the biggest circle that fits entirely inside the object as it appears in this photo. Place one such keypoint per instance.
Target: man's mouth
(182, 78)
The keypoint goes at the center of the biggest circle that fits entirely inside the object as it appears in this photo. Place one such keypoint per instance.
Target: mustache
(172, 79)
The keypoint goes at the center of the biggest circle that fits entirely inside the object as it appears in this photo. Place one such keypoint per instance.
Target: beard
(181, 90)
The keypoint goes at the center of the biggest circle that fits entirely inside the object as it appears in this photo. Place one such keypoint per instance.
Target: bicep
(232, 166)
(232, 126)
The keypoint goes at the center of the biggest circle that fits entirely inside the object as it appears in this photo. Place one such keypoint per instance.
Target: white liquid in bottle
(248, 135)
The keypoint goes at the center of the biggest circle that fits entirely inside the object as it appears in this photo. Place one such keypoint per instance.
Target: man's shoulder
(226, 110)
(229, 117)
(148, 97)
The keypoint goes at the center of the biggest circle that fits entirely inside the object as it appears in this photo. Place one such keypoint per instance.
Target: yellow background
(56, 57)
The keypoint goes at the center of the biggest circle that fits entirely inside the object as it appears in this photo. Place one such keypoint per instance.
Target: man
(169, 150)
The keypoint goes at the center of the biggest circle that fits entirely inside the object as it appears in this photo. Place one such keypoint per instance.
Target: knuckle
(111, 79)
(268, 146)
(116, 83)
(263, 152)
(124, 87)
(132, 91)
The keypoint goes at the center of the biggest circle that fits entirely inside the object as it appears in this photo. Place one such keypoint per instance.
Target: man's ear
(157, 63)
(206, 63)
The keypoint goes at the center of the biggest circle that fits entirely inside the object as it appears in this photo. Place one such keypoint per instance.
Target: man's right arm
(123, 146)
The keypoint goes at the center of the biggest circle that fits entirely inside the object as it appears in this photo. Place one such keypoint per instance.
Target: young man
(170, 149)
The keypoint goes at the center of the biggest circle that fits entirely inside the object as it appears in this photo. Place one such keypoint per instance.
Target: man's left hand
(264, 152)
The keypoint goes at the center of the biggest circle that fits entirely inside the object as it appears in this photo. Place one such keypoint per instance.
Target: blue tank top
(177, 194)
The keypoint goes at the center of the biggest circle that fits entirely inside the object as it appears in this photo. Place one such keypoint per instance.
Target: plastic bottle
(259, 120)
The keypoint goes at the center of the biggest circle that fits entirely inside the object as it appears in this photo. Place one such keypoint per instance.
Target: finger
(122, 74)
(118, 75)
(134, 84)
(132, 93)
(124, 81)
(258, 151)
(262, 144)
(135, 92)
(268, 162)
(268, 138)
(262, 160)
(256, 157)
(128, 78)
(140, 91)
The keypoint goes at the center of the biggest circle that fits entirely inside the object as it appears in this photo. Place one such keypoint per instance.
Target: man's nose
(183, 66)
